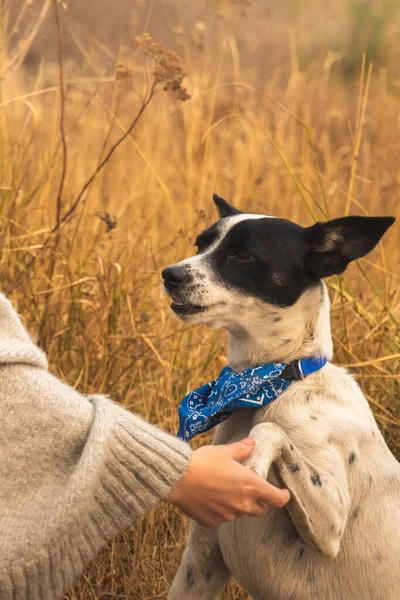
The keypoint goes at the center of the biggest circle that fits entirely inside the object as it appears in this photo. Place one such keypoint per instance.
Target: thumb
(240, 450)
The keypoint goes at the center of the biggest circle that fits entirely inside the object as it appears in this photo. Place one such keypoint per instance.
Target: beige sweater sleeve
(74, 473)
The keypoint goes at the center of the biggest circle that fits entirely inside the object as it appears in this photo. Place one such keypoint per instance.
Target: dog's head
(245, 259)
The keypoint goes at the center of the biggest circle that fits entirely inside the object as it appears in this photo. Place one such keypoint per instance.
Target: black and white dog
(260, 278)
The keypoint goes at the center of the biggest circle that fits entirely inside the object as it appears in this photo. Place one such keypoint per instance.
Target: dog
(261, 279)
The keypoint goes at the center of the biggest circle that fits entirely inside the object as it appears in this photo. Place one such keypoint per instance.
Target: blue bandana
(214, 402)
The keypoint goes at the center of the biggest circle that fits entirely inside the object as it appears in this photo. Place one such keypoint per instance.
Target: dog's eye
(243, 257)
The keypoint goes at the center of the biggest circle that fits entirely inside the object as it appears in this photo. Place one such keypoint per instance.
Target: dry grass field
(105, 178)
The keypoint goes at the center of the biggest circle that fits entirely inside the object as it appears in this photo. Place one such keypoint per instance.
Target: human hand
(216, 487)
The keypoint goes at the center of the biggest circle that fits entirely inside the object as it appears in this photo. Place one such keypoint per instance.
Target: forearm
(142, 462)
(75, 473)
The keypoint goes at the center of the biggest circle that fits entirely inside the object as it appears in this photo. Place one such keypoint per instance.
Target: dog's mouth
(181, 307)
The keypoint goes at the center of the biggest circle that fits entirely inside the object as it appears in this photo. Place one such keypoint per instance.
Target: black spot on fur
(316, 480)
(276, 319)
(355, 513)
(189, 577)
(291, 535)
(291, 447)
(313, 417)
(330, 439)
(352, 458)
(309, 332)
(266, 539)
(333, 528)
(294, 468)
(300, 553)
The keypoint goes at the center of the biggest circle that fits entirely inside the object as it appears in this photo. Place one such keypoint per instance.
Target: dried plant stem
(363, 97)
(62, 113)
(89, 181)
(64, 158)
(105, 160)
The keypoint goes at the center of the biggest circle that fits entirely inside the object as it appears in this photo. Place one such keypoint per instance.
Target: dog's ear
(332, 245)
(225, 209)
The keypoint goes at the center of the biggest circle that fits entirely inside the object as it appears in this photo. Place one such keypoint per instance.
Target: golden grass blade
(372, 362)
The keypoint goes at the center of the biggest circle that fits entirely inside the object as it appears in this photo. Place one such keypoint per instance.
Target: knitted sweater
(74, 471)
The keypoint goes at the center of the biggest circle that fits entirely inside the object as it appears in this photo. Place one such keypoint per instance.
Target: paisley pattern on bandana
(214, 402)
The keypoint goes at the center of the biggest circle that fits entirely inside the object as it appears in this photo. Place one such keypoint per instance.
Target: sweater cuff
(143, 464)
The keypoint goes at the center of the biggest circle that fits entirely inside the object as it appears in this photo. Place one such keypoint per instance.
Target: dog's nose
(175, 274)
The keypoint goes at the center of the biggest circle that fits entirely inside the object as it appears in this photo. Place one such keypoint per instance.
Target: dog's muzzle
(176, 278)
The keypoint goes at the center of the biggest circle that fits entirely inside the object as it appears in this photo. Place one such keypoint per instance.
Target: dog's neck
(274, 334)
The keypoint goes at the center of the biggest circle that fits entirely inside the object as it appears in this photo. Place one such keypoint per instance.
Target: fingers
(272, 495)
(258, 510)
(240, 450)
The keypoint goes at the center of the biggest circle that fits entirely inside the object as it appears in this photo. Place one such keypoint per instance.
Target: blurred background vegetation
(110, 149)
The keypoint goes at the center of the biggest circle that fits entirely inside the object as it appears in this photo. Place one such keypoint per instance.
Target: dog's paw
(269, 439)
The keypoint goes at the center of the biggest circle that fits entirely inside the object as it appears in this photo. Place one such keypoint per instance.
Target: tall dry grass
(83, 242)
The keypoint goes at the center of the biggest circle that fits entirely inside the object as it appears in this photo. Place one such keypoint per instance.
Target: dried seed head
(122, 71)
(183, 94)
(143, 40)
(110, 220)
(168, 68)
(155, 49)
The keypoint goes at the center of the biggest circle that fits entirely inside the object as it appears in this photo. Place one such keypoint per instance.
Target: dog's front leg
(202, 572)
(319, 494)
